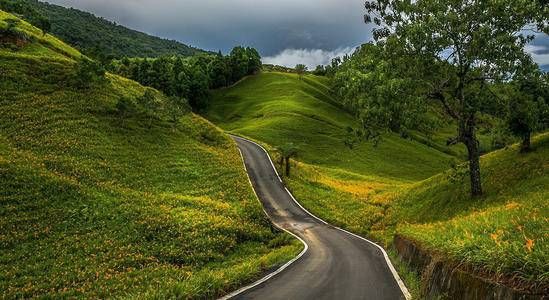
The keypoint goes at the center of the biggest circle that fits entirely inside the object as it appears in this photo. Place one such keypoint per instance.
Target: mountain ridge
(96, 36)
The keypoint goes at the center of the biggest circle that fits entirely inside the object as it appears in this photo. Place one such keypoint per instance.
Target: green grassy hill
(333, 180)
(95, 203)
(93, 35)
(276, 108)
(394, 188)
(503, 234)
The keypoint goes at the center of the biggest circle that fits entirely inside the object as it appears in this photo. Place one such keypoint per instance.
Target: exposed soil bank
(448, 280)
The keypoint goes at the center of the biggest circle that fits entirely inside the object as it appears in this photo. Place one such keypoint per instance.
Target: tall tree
(254, 61)
(219, 72)
(287, 152)
(465, 44)
(44, 24)
(300, 69)
(239, 63)
(528, 109)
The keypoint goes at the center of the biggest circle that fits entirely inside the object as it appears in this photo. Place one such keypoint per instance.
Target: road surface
(337, 265)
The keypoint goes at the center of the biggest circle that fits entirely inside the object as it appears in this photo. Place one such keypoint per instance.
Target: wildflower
(529, 244)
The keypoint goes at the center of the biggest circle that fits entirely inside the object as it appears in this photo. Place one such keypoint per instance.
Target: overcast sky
(285, 32)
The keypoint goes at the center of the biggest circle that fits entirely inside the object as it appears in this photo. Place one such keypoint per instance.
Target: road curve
(337, 265)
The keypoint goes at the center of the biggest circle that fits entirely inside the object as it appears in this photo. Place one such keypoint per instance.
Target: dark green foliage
(198, 92)
(451, 51)
(300, 70)
(287, 152)
(333, 67)
(320, 70)
(190, 78)
(44, 24)
(152, 106)
(26, 9)
(220, 71)
(369, 88)
(529, 106)
(94, 36)
(124, 107)
(243, 62)
(87, 73)
(12, 25)
(176, 108)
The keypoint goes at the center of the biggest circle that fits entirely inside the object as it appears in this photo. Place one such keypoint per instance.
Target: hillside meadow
(100, 197)
(401, 186)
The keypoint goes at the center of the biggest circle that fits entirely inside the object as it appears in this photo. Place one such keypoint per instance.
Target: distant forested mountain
(92, 35)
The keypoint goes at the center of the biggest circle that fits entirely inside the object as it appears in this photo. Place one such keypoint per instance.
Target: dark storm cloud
(284, 31)
(269, 25)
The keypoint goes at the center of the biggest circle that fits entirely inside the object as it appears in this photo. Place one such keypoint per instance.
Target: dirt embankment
(441, 278)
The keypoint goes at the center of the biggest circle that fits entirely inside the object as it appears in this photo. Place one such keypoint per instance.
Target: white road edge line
(399, 281)
(283, 267)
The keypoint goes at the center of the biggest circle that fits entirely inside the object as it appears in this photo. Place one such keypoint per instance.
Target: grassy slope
(92, 205)
(347, 187)
(372, 190)
(277, 108)
(504, 233)
(331, 179)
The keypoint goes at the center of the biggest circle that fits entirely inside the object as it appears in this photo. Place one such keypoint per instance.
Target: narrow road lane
(337, 265)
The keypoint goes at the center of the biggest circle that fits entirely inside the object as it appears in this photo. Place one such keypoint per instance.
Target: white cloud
(309, 57)
(539, 54)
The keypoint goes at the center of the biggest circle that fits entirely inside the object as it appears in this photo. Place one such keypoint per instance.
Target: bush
(124, 107)
(87, 73)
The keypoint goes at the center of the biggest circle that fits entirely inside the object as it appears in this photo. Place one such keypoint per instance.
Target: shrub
(88, 72)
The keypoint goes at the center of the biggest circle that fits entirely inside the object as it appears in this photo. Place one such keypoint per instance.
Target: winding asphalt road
(337, 264)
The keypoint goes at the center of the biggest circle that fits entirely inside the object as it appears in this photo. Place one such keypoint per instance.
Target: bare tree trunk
(474, 167)
(467, 135)
(281, 161)
(288, 166)
(526, 144)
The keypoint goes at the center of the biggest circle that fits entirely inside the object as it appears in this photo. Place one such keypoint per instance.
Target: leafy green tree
(529, 106)
(300, 70)
(238, 60)
(124, 107)
(458, 48)
(198, 94)
(219, 72)
(176, 107)
(151, 105)
(162, 76)
(87, 72)
(254, 61)
(320, 70)
(368, 86)
(332, 68)
(287, 152)
(44, 24)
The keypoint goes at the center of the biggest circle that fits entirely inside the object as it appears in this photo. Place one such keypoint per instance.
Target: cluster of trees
(191, 78)
(87, 72)
(468, 58)
(152, 106)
